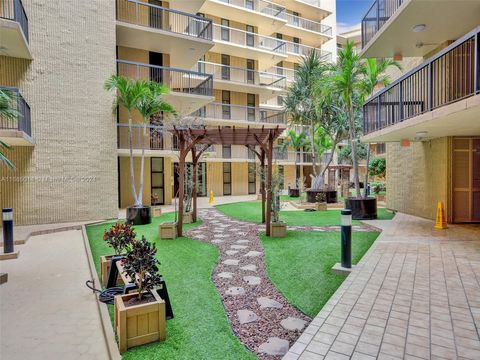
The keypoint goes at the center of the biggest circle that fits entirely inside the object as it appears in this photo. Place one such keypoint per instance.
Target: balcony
(228, 114)
(392, 27)
(438, 98)
(244, 80)
(183, 36)
(296, 52)
(158, 140)
(17, 131)
(265, 15)
(189, 90)
(315, 9)
(311, 32)
(266, 50)
(14, 30)
(289, 74)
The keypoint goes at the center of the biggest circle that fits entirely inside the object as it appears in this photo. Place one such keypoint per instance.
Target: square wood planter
(278, 229)
(187, 218)
(139, 324)
(156, 211)
(105, 264)
(321, 206)
(167, 230)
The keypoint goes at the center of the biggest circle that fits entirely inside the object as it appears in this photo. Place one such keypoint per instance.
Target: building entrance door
(466, 180)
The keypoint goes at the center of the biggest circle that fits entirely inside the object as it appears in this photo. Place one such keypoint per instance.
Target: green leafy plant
(141, 265)
(8, 111)
(378, 187)
(377, 166)
(119, 237)
(345, 153)
(321, 197)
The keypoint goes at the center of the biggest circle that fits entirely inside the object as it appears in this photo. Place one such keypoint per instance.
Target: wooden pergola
(197, 141)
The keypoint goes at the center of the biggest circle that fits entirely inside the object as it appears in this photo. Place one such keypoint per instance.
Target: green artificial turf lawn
(299, 265)
(252, 211)
(200, 328)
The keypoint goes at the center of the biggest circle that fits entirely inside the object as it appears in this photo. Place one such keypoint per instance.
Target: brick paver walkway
(46, 311)
(414, 295)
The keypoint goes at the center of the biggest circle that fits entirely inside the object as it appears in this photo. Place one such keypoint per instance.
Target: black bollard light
(346, 230)
(7, 230)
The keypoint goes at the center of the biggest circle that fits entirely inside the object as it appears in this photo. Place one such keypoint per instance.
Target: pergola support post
(194, 189)
(181, 184)
(269, 183)
(262, 184)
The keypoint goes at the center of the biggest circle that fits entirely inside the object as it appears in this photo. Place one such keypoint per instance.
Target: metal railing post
(476, 74)
(430, 86)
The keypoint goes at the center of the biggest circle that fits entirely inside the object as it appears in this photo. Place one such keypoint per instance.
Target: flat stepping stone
(274, 346)
(252, 280)
(220, 236)
(242, 241)
(231, 252)
(250, 267)
(225, 275)
(253, 254)
(217, 241)
(232, 262)
(235, 291)
(239, 247)
(266, 302)
(200, 236)
(293, 324)
(246, 316)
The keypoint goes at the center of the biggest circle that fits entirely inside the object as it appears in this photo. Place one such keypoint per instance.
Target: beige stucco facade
(71, 171)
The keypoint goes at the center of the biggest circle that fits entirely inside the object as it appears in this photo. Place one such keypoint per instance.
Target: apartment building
(429, 116)
(227, 62)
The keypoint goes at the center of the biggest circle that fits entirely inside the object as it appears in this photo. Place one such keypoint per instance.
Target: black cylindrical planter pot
(294, 192)
(330, 196)
(140, 215)
(362, 209)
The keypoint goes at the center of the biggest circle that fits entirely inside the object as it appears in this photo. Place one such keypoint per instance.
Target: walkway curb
(107, 327)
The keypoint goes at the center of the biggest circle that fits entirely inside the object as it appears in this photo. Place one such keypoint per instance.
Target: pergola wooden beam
(189, 138)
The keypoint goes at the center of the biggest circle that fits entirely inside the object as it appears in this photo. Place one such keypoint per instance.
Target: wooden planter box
(156, 211)
(167, 230)
(321, 206)
(139, 324)
(278, 229)
(105, 265)
(187, 218)
(381, 198)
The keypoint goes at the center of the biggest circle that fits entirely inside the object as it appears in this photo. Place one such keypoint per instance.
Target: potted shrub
(277, 228)
(141, 312)
(119, 237)
(321, 204)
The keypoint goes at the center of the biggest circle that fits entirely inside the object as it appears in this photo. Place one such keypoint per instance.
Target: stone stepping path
(260, 316)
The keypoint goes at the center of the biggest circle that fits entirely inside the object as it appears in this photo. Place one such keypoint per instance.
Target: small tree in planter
(119, 237)
(277, 227)
(144, 308)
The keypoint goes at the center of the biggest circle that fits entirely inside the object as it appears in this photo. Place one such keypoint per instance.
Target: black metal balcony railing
(241, 113)
(14, 10)
(157, 17)
(449, 76)
(22, 120)
(178, 80)
(377, 16)
(242, 75)
(157, 138)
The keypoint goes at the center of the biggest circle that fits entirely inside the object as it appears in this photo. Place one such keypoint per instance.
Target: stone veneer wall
(73, 48)
(418, 177)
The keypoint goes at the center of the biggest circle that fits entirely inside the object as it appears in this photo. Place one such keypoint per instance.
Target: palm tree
(346, 81)
(8, 111)
(296, 141)
(300, 104)
(128, 94)
(375, 75)
(150, 103)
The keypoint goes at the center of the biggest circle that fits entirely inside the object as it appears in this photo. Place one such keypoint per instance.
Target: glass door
(157, 181)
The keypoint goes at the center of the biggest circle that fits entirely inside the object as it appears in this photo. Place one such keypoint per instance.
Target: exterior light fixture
(346, 238)
(419, 28)
(421, 135)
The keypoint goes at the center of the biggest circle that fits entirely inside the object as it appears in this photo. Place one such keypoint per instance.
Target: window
(226, 67)
(157, 180)
(296, 45)
(380, 148)
(296, 19)
(280, 68)
(225, 36)
(251, 154)
(226, 114)
(279, 36)
(250, 71)
(249, 4)
(227, 178)
(250, 35)
(251, 107)
(201, 65)
(227, 151)
(280, 100)
(252, 178)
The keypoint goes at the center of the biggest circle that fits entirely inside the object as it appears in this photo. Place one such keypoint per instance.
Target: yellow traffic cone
(212, 200)
(441, 222)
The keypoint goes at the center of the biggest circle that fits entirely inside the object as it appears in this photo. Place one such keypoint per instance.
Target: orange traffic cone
(441, 222)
